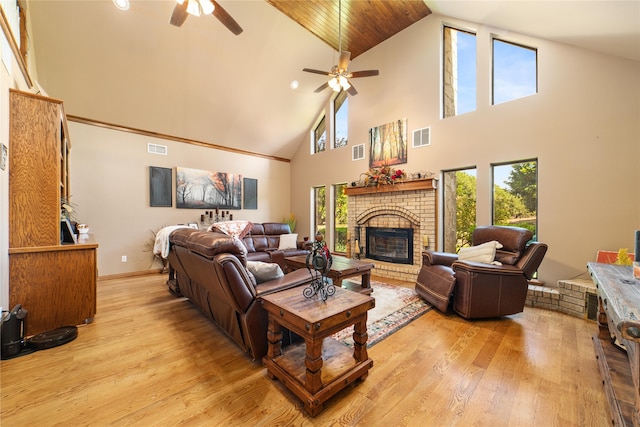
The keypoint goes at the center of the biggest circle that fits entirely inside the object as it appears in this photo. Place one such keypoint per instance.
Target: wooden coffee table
(320, 367)
(341, 268)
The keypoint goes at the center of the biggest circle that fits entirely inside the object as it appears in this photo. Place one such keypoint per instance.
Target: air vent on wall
(421, 137)
(157, 149)
(357, 153)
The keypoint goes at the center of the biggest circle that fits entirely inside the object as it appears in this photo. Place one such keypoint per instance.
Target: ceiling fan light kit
(339, 74)
(198, 7)
(122, 4)
(185, 8)
(339, 83)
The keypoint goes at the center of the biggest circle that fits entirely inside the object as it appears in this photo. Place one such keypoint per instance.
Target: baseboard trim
(130, 274)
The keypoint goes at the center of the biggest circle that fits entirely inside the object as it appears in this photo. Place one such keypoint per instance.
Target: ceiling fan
(204, 7)
(339, 73)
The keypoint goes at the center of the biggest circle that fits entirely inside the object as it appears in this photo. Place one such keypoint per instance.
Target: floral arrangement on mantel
(385, 175)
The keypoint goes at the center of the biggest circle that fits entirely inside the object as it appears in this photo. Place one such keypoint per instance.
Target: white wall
(5, 81)
(10, 77)
(110, 186)
(582, 126)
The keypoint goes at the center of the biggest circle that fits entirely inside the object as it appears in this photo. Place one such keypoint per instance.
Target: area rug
(396, 307)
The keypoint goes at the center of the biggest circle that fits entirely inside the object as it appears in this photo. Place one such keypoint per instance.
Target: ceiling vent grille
(357, 153)
(422, 137)
(157, 149)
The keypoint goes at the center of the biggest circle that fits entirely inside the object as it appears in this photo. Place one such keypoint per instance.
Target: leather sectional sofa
(263, 242)
(210, 269)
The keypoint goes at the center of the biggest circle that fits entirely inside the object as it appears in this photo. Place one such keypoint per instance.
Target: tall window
(339, 218)
(459, 74)
(320, 136)
(515, 194)
(459, 208)
(515, 71)
(340, 120)
(320, 210)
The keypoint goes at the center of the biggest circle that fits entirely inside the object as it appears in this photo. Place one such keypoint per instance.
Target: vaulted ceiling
(358, 25)
(202, 82)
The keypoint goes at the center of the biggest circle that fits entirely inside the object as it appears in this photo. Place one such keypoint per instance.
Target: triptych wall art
(160, 187)
(201, 189)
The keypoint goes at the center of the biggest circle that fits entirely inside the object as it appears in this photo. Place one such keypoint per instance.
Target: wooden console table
(619, 319)
(321, 367)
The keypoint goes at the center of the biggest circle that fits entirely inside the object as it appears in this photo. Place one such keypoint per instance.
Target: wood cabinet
(619, 322)
(55, 283)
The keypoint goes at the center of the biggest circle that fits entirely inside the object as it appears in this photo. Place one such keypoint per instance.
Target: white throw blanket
(161, 246)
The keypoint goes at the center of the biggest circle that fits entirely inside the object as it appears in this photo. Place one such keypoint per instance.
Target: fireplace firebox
(390, 244)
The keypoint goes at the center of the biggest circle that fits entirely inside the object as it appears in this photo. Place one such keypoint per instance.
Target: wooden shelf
(615, 371)
(55, 283)
(418, 184)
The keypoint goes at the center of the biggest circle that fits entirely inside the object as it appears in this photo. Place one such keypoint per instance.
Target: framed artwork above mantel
(388, 144)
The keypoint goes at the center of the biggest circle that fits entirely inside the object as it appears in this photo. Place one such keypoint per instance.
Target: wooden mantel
(416, 184)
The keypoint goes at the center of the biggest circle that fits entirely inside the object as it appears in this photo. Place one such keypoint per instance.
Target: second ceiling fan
(206, 7)
(339, 73)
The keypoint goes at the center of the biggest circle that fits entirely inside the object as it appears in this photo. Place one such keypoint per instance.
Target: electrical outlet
(124, 258)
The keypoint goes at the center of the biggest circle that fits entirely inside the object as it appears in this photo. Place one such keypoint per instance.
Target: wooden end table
(341, 268)
(320, 367)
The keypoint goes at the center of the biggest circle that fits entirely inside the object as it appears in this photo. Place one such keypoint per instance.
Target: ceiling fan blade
(365, 73)
(179, 14)
(321, 88)
(343, 62)
(225, 18)
(311, 70)
(352, 90)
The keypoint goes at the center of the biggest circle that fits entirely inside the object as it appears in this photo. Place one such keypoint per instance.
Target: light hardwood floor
(151, 359)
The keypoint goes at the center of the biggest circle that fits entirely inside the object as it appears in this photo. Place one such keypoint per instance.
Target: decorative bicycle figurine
(318, 263)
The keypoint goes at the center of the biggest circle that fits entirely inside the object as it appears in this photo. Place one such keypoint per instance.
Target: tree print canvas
(388, 144)
(200, 189)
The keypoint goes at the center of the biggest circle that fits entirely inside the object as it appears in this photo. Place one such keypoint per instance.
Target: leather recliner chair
(481, 290)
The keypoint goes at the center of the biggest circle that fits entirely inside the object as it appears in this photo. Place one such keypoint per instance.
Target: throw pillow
(264, 271)
(485, 253)
(288, 241)
(237, 229)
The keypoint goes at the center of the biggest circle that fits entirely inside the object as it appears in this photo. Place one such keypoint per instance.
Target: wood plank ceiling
(365, 23)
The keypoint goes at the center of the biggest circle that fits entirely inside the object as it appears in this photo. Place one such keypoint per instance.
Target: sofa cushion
(288, 241)
(248, 243)
(275, 228)
(485, 252)
(264, 271)
(507, 258)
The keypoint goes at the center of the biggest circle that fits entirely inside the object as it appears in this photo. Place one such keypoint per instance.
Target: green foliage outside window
(515, 205)
(340, 218)
(465, 208)
(320, 208)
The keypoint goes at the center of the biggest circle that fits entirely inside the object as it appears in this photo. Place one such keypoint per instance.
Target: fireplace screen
(390, 244)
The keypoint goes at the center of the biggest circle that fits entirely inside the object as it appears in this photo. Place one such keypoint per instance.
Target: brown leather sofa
(210, 270)
(482, 290)
(263, 240)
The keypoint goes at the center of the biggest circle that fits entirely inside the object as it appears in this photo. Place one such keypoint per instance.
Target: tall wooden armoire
(54, 282)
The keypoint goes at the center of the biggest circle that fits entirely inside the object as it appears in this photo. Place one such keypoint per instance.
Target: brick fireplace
(411, 204)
